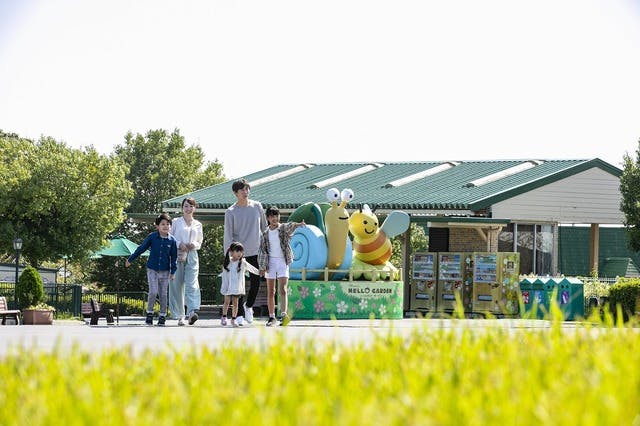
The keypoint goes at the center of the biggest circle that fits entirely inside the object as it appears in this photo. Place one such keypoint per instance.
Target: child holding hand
(161, 265)
(274, 257)
(234, 268)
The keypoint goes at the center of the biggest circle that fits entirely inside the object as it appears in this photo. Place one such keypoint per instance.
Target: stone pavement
(132, 333)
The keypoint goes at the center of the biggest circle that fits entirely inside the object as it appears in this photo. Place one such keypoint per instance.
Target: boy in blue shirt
(161, 265)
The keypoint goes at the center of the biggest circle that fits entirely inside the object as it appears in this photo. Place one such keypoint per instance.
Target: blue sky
(259, 83)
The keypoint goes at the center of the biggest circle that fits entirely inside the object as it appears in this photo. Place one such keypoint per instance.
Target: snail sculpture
(324, 242)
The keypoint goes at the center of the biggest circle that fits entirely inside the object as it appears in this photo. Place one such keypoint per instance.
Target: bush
(625, 293)
(594, 293)
(30, 290)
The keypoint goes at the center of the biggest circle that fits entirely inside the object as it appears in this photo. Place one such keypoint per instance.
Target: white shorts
(277, 268)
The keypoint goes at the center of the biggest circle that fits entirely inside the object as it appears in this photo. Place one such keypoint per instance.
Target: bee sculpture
(372, 244)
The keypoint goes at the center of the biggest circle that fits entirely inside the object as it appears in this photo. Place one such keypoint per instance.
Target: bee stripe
(375, 258)
(375, 252)
(366, 247)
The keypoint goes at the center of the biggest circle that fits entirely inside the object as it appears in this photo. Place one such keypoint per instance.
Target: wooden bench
(95, 311)
(11, 313)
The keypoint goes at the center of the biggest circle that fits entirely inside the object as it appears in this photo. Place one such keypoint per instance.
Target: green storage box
(570, 297)
(536, 295)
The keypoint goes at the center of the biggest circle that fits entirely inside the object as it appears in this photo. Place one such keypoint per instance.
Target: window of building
(544, 249)
(534, 242)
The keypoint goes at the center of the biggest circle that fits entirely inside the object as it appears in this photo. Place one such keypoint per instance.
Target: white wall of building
(592, 196)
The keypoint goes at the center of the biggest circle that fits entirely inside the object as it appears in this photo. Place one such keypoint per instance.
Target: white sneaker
(181, 321)
(240, 321)
(248, 313)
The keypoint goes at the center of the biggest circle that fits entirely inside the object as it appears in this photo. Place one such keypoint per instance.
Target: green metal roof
(444, 187)
(619, 267)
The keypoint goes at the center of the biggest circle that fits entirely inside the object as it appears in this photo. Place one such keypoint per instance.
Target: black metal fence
(68, 298)
(123, 302)
(63, 297)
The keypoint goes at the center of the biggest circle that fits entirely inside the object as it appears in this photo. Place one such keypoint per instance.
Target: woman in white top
(234, 268)
(185, 288)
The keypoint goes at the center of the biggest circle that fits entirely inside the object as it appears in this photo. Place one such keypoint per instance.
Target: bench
(95, 311)
(11, 313)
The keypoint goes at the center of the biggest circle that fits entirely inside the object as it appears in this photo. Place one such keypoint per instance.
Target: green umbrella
(118, 246)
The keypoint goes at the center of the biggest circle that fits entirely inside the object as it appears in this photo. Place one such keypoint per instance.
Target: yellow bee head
(363, 223)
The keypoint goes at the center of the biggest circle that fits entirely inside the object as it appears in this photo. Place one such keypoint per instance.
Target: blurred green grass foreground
(589, 375)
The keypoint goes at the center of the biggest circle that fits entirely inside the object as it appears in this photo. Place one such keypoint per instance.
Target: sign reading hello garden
(346, 299)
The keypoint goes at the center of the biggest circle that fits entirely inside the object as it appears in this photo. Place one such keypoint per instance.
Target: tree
(630, 204)
(60, 201)
(419, 242)
(161, 166)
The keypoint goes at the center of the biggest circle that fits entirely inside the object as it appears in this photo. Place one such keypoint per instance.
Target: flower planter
(37, 317)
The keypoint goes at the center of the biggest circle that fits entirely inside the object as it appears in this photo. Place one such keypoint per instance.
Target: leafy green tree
(59, 200)
(161, 166)
(419, 242)
(211, 258)
(630, 204)
(211, 254)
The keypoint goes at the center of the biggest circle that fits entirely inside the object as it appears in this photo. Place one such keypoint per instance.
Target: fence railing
(122, 302)
(68, 298)
(63, 297)
(609, 281)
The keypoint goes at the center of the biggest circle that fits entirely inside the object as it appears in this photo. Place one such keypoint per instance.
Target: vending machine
(510, 280)
(495, 282)
(423, 282)
(454, 279)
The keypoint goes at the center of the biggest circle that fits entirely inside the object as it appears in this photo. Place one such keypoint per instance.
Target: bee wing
(395, 224)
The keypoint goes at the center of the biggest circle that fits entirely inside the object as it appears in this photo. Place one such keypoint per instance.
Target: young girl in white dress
(234, 268)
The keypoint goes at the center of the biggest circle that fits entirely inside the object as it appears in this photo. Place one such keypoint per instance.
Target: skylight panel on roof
(281, 174)
(417, 176)
(504, 173)
(352, 173)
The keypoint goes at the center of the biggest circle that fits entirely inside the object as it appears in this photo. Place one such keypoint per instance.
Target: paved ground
(132, 332)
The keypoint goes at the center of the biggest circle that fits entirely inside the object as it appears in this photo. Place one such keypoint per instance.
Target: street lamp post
(65, 268)
(17, 246)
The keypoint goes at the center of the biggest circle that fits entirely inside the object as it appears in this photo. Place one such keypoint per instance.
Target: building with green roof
(501, 205)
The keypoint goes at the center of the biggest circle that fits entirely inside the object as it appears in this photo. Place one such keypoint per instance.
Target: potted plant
(30, 293)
